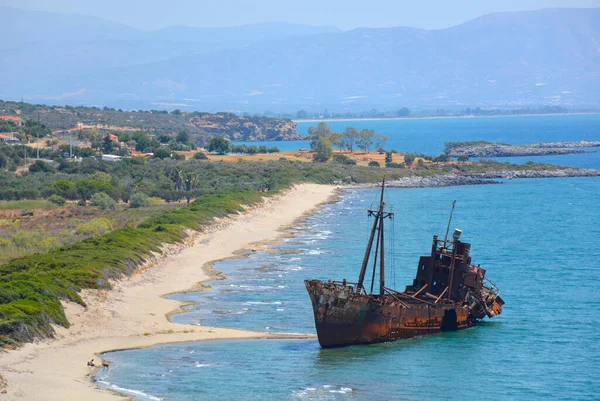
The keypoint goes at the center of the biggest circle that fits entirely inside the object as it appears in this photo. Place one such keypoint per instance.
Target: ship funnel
(457, 233)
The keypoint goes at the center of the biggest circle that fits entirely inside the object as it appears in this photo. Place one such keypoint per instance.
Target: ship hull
(344, 317)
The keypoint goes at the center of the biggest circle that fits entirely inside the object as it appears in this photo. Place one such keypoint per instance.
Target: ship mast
(380, 215)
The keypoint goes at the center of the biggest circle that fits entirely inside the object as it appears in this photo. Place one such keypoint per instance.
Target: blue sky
(345, 14)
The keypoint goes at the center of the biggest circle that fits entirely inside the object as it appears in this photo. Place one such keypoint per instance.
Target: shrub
(343, 159)
(57, 200)
(200, 156)
(103, 201)
(373, 163)
(394, 165)
(95, 227)
(323, 150)
(40, 167)
(140, 199)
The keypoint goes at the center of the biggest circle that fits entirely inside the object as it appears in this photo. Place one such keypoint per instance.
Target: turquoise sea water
(537, 239)
(428, 135)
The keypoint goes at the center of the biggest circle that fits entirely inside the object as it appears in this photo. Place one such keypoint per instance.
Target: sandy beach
(135, 313)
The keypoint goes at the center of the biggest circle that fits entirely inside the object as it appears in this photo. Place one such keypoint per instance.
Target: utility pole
(38, 136)
(70, 140)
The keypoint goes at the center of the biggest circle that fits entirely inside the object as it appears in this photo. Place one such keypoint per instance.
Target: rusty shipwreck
(448, 293)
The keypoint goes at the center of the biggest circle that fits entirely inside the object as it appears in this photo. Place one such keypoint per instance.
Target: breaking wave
(130, 391)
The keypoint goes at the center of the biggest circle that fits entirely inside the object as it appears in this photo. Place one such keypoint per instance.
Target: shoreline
(435, 117)
(136, 312)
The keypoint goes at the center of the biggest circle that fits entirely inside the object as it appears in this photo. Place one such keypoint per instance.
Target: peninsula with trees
(84, 123)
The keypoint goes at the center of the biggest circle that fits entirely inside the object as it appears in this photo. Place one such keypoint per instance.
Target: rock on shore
(486, 149)
(450, 180)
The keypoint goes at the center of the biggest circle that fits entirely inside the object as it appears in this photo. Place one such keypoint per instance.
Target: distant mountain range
(550, 56)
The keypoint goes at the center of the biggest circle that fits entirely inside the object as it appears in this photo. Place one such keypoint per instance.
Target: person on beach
(91, 363)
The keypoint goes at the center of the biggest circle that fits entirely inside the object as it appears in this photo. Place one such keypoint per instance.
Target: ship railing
(491, 286)
(344, 282)
(405, 295)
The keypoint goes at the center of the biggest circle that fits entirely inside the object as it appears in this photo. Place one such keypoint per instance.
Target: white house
(111, 158)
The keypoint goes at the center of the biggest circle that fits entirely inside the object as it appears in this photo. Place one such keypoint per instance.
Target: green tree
(191, 182)
(409, 158)
(40, 167)
(463, 158)
(373, 163)
(365, 139)
(142, 142)
(140, 199)
(337, 140)
(103, 201)
(323, 150)
(176, 175)
(57, 200)
(200, 156)
(163, 152)
(316, 133)
(107, 144)
(350, 136)
(388, 157)
(65, 188)
(219, 145)
(183, 137)
(87, 188)
(442, 157)
(380, 140)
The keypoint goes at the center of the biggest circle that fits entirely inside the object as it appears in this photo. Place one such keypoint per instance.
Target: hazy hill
(540, 57)
(42, 46)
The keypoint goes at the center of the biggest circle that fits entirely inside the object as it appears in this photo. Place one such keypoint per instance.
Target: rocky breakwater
(242, 128)
(548, 173)
(489, 149)
(483, 178)
(441, 180)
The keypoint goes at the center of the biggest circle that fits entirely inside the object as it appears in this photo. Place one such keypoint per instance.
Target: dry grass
(361, 158)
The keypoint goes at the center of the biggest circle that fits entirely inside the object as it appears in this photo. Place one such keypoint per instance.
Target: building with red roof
(14, 119)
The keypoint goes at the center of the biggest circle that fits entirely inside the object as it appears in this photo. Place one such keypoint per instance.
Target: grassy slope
(31, 287)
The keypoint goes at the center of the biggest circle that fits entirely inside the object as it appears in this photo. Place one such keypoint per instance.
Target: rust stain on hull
(343, 317)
